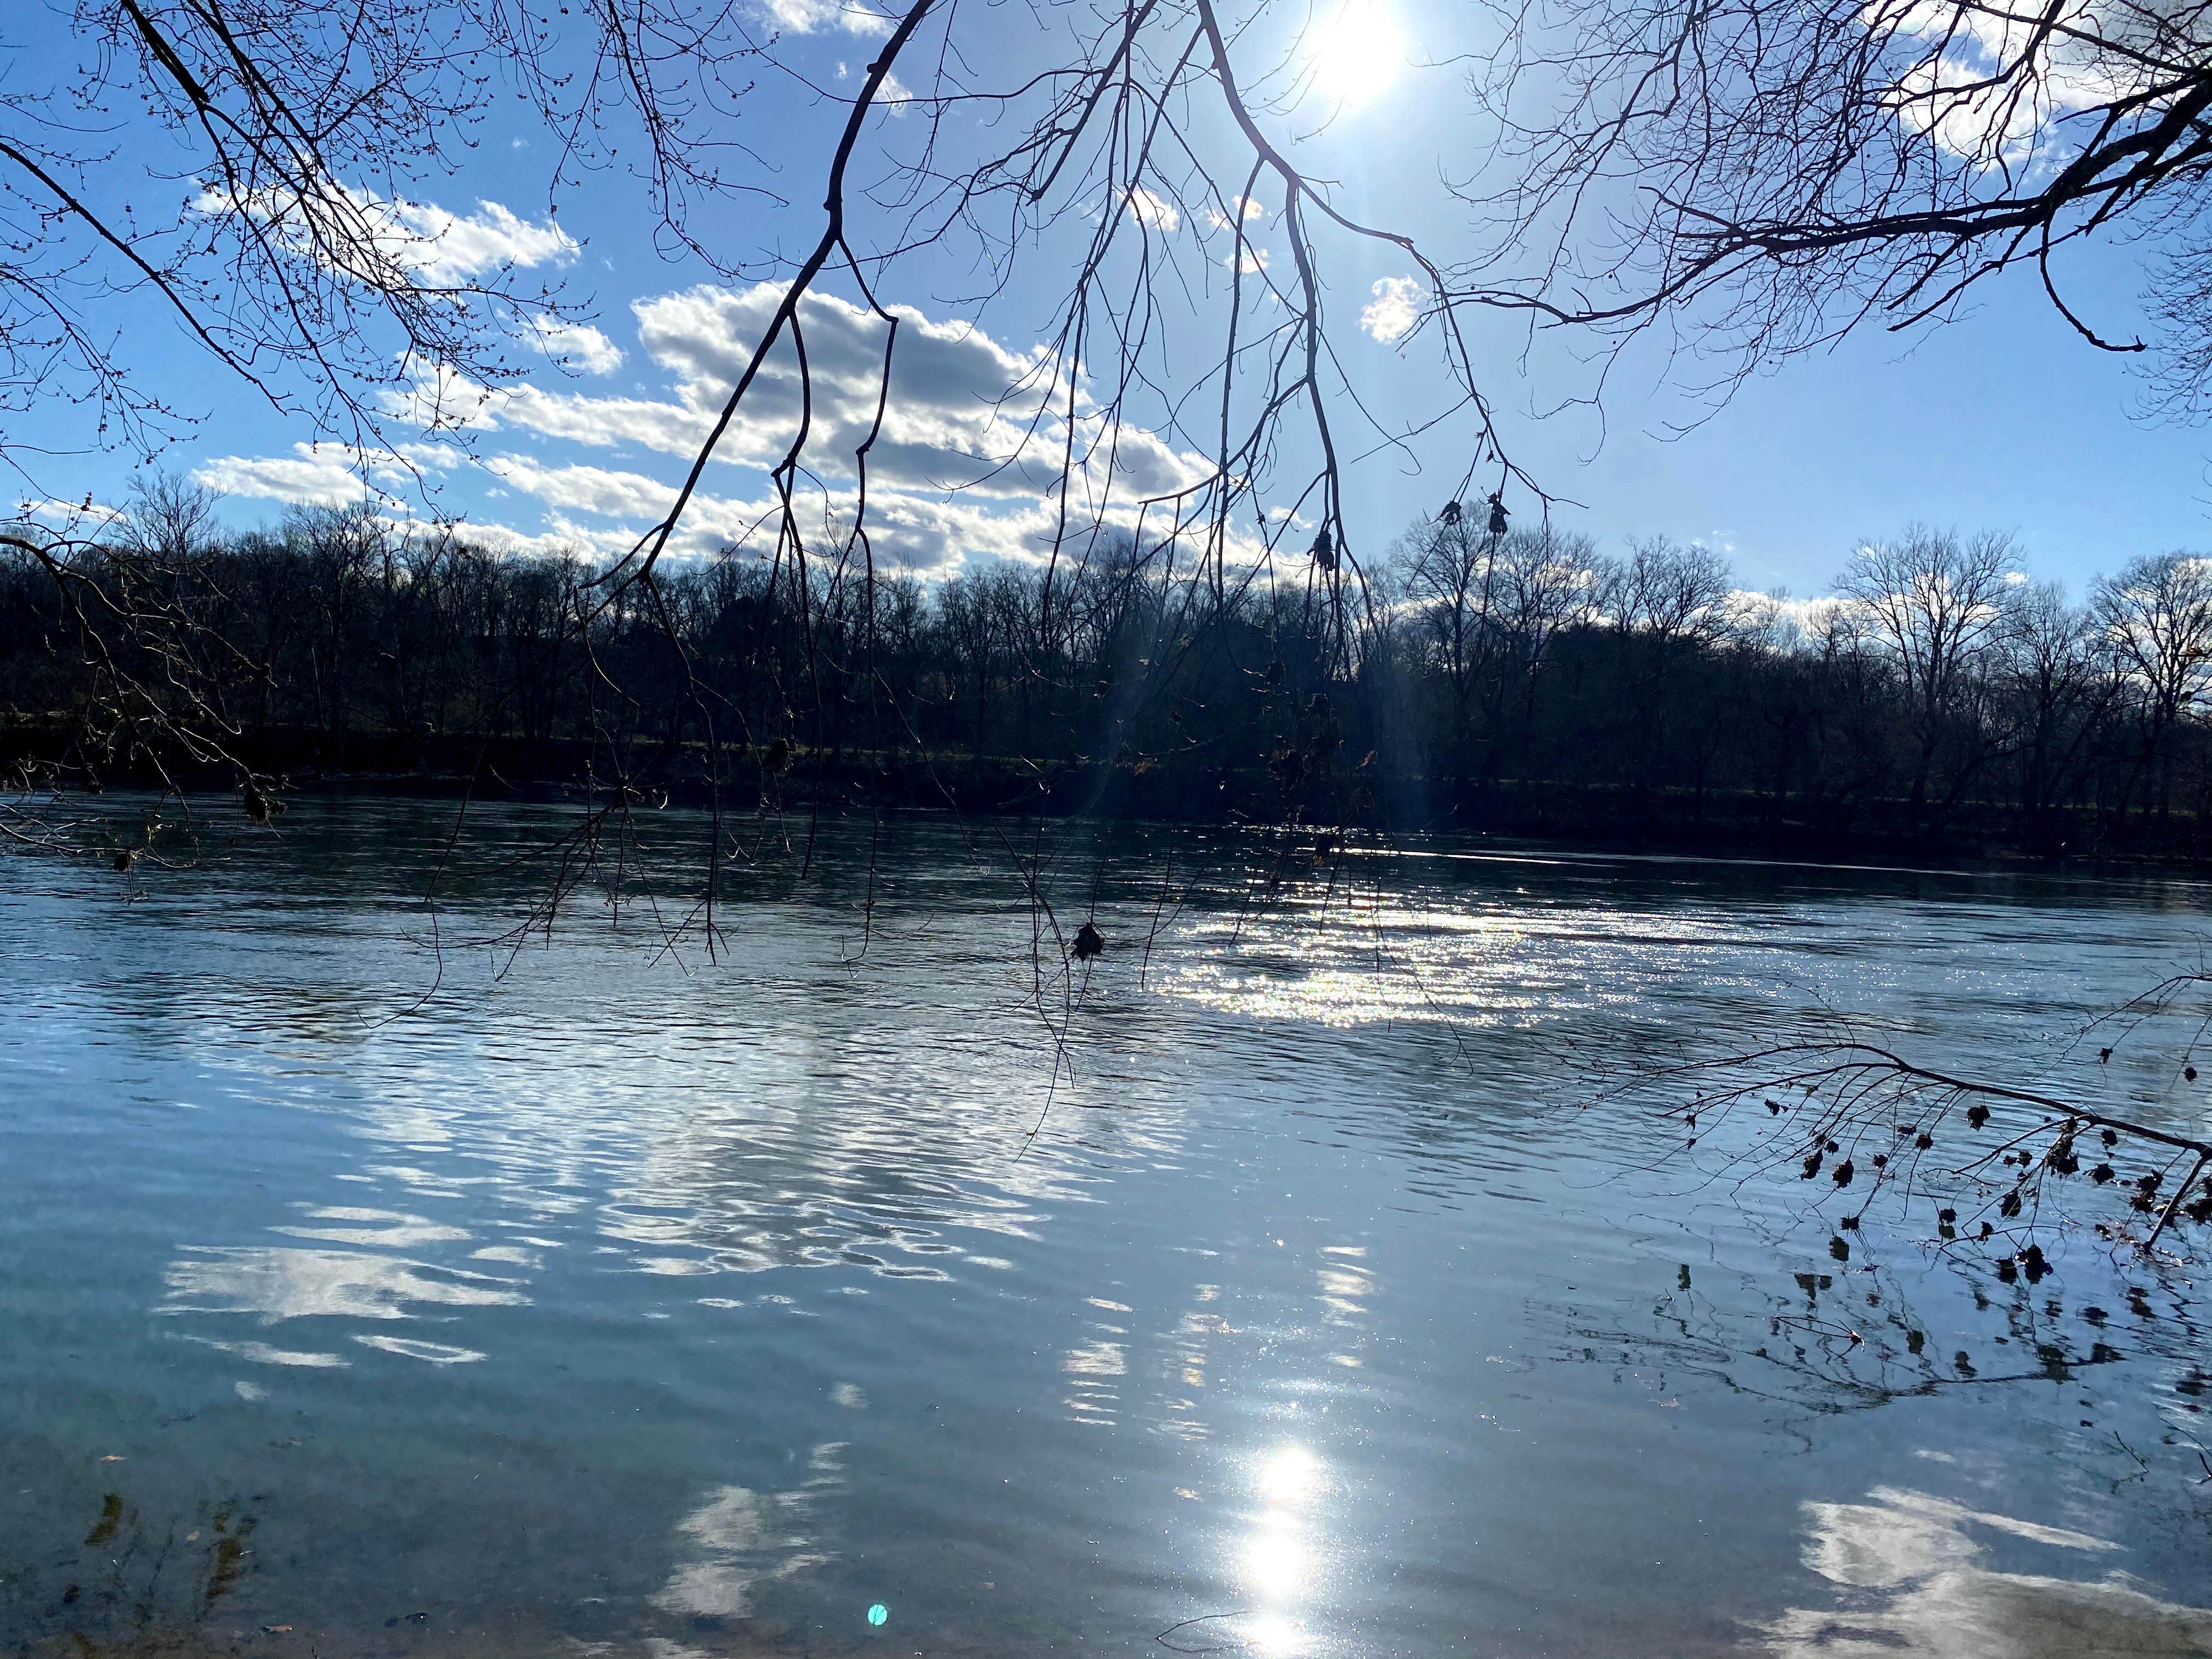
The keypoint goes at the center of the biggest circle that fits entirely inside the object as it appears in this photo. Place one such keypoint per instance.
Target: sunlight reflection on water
(694, 1314)
(1495, 966)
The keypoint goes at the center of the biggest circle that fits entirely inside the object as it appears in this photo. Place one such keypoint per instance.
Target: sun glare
(1356, 53)
(1285, 1476)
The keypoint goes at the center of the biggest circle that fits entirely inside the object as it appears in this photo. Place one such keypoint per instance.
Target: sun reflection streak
(1472, 961)
(1280, 1555)
(1274, 1563)
(1288, 1475)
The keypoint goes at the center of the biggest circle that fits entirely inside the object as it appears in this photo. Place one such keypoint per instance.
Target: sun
(1356, 51)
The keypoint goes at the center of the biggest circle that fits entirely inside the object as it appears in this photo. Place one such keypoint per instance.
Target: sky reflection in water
(683, 1312)
(1910, 1580)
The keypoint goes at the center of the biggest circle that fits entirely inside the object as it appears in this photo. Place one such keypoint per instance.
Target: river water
(615, 1301)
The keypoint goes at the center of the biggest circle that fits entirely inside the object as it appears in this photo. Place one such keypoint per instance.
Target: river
(1267, 1288)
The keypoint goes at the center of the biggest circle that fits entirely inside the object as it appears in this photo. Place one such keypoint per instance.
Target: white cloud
(431, 244)
(561, 539)
(76, 517)
(593, 489)
(1786, 620)
(450, 246)
(1154, 210)
(1252, 260)
(1991, 85)
(968, 464)
(312, 475)
(806, 16)
(1396, 306)
(579, 345)
(1243, 207)
(928, 535)
(440, 399)
(966, 413)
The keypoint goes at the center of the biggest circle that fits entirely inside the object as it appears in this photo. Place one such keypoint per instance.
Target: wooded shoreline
(1598, 817)
(1938, 706)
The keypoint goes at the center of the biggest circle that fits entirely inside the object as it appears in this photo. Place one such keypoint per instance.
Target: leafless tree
(1791, 171)
(1448, 575)
(293, 246)
(2155, 616)
(301, 259)
(272, 213)
(1667, 602)
(1665, 593)
(1768, 175)
(2003, 1167)
(1490, 606)
(1935, 607)
(2062, 685)
(1548, 582)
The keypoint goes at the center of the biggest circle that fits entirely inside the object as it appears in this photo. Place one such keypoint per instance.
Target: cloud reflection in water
(1910, 1585)
(288, 1284)
(735, 1537)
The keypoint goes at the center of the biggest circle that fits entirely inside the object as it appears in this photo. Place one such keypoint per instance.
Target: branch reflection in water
(618, 1306)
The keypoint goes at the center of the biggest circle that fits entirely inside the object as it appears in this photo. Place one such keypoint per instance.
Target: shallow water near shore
(615, 1301)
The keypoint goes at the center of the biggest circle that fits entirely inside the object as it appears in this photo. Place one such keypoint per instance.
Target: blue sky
(2002, 419)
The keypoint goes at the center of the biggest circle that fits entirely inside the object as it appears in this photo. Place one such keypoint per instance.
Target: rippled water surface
(613, 1301)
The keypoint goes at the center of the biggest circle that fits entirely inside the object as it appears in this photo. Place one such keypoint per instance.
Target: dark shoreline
(1596, 817)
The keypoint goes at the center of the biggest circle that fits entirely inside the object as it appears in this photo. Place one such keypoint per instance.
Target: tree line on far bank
(1470, 681)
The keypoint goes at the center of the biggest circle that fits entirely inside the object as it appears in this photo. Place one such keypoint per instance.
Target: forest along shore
(1524, 684)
